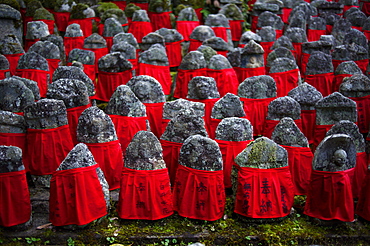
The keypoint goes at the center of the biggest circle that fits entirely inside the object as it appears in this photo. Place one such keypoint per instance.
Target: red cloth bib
(89, 70)
(256, 111)
(71, 43)
(3, 73)
(363, 112)
(264, 193)
(73, 114)
(99, 53)
(362, 64)
(134, 63)
(329, 28)
(221, 32)
(229, 151)
(286, 81)
(53, 65)
(126, 128)
(46, 149)
(360, 173)
(144, 6)
(322, 82)
(173, 50)
(194, 44)
(279, 33)
(244, 73)
(40, 76)
(164, 125)
(86, 25)
(236, 29)
(160, 20)
(183, 78)
(109, 41)
(145, 195)
(367, 34)
(300, 166)
(50, 24)
(140, 29)
(330, 196)
(13, 61)
(298, 53)
(15, 205)
(213, 126)
(338, 79)
(365, 7)
(319, 134)
(154, 111)
(199, 194)
(26, 19)
(171, 153)
(108, 82)
(285, 15)
(13, 139)
(121, 4)
(314, 35)
(29, 42)
(308, 124)
(186, 28)
(199, 14)
(110, 159)
(267, 48)
(254, 23)
(226, 80)
(61, 19)
(270, 126)
(305, 57)
(76, 197)
(363, 206)
(208, 106)
(161, 73)
(336, 63)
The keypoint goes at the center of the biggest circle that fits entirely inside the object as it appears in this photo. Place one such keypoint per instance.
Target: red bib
(154, 111)
(29, 42)
(363, 112)
(244, 73)
(314, 35)
(99, 53)
(173, 51)
(13, 139)
(199, 194)
(183, 78)
(367, 34)
(61, 19)
(229, 151)
(89, 70)
(140, 29)
(363, 205)
(322, 82)
(15, 205)
(213, 127)
(286, 81)
(194, 44)
(270, 126)
(208, 106)
(73, 114)
(267, 48)
(53, 65)
(108, 82)
(308, 124)
(171, 153)
(71, 43)
(3, 73)
(304, 62)
(76, 197)
(86, 25)
(298, 53)
(13, 61)
(264, 193)
(226, 80)
(338, 79)
(319, 134)
(360, 173)
(362, 64)
(221, 32)
(160, 73)
(186, 28)
(50, 24)
(236, 27)
(285, 15)
(40, 76)
(330, 196)
(199, 14)
(145, 195)
(160, 20)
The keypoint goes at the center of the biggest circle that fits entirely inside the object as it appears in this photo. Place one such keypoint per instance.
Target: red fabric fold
(319, 134)
(305, 57)
(110, 159)
(199, 194)
(183, 78)
(161, 73)
(61, 19)
(322, 82)
(86, 25)
(367, 34)
(140, 29)
(109, 41)
(270, 126)
(244, 73)
(145, 195)
(363, 205)
(298, 53)
(213, 126)
(13, 139)
(286, 81)
(208, 106)
(13, 61)
(29, 42)
(194, 44)
(76, 197)
(226, 80)
(42, 78)
(171, 154)
(108, 82)
(363, 112)
(154, 111)
(254, 23)
(229, 151)
(330, 196)
(46, 149)
(71, 43)
(173, 51)
(264, 193)
(362, 64)
(73, 114)
(285, 15)
(329, 29)
(236, 27)
(160, 20)
(126, 128)
(186, 28)
(164, 125)
(3, 73)
(221, 32)
(314, 35)
(50, 24)
(53, 65)
(256, 111)
(365, 7)
(199, 14)
(89, 70)
(99, 53)
(267, 48)
(338, 79)
(144, 6)
(360, 173)
(308, 124)
(15, 205)
(300, 165)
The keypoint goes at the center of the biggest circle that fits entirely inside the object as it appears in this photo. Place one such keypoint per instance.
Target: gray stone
(248, 36)
(287, 133)
(46, 49)
(217, 20)
(340, 29)
(280, 52)
(317, 23)
(202, 33)
(144, 152)
(173, 108)
(330, 7)
(46, 114)
(37, 30)
(311, 47)
(263, 153)
(127, 50)
(127, 37)
(283, 107)
(130, 9)
(81, 11)
(71, 72)
(228, 106)
(351, 129)
(147, 89)
(202, 153)
(193, 60)
(155, 55)
(64, 6)
(58, 41)
(270, 19)
(283, 41)
(350, 52)
(170, 35)
(348, 67)
(12, 123)
(265, 6)
(124, 102)
(366, 25)
(114, 63)
(201, 87)
(357, 18)
(234, 129)
(298, 19)
(72, 92)
(32, 85)
(296, 35)
(234, 57)
(187, 14)
(334, 108)
(43, 14)
(186, 123)
(351, 10)
(217, 43)
(328, 38)
(117, 14)
(151, 39)
(31, 8)
(11, 22)
(94, 126)
(140, 15)
(335, 153)
(160, 6)
(257, 87)
(282, 65)
(319, 63)
(357, 37)
(84, 56)
(10, 44)
(95, 41)
(16, 96)
(306, 95)
(32, 60)
(306, 8)
(231, 12)
(219, 62)
(267, 34)
(4, 64)
(10, 159)
(357, 85)
(252, 55)
(207, 51)
(330, 18)
(112, 27)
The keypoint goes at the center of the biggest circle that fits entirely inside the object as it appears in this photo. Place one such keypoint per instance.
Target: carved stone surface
(357, 18)
(311, 47)
(193, 60)
(319, 63)
(201, 153)
(351, 129)
(283, 107)
(155, 55)
(231, 12)
(32, 60)
(270, 19)
(297, 19)
(350, 52)
(36, 30)
(234, 57)
(10, 22)
(4, 63)
(287, 133)
(81, 11)
(117, 14)
(144, 152)
(357, 37)
(15, 95)
(201, 87)
(217, 20)
(12, 123)
(58, 41)
(46, 49)
(252, 55)
(95, 41)
(283, 41)
(10, 44)
(124, 102)
(228, 106)
(171, 109)
(306, 95)
(357, 85)
(234, 129)
(147, 89)
(83, 56)
(10, 159)
(258, 87)
(94, 126)
(306, 8)
(202, 33)
(114, 63)
(127, 50)
(348, 67)
(340, 29)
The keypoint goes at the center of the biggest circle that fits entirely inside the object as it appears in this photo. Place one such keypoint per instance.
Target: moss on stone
(43, 14)
(77, 11)
(104, 6)
(32, 6)
(130, 9)
(12, 3)
(48, 4)
(177, 10)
